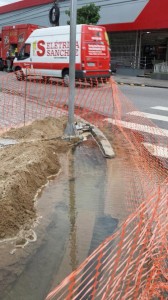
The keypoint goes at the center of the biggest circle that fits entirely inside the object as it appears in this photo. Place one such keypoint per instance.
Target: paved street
(144, 98)
(97, 99)
(150, 109)
(147, 114)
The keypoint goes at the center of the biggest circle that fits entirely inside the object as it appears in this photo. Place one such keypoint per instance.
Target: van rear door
(95, 51)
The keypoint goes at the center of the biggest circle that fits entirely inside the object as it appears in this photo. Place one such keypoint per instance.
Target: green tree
(88, 14)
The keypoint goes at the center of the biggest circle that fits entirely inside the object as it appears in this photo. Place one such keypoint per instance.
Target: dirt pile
(25, 167)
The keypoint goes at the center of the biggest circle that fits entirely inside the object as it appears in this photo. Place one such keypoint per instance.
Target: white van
(46, 53)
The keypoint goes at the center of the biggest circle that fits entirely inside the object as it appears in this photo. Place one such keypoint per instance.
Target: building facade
(138, 29)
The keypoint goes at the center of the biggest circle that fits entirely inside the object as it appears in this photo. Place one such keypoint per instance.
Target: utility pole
(70, 128)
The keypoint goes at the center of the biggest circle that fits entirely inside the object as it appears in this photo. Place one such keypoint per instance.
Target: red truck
(12, 39)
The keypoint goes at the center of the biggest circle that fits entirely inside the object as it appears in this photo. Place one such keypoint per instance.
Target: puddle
(74, 220)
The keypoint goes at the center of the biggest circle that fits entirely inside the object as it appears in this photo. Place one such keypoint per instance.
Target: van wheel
(66, 78)
(19, 75)
(1, 65)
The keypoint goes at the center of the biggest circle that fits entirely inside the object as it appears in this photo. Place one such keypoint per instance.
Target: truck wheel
(19, 75)
(66, 78)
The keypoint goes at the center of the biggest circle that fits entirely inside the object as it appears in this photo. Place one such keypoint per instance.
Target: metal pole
(70, 129)
(139, 54)
(136, 49)
(167, 51)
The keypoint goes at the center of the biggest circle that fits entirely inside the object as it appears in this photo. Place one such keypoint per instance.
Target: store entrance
(153, 54)
(154, 48)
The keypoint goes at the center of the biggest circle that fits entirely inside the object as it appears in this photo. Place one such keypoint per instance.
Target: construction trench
(36, 165)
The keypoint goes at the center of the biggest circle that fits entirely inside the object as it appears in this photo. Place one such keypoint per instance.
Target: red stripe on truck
(47, 66)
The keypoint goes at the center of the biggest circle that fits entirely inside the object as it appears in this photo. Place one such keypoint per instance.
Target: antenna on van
(54, 13)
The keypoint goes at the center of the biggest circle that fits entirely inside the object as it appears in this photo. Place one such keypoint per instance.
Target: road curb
(103, 142)
(141, 84)
(100, 138)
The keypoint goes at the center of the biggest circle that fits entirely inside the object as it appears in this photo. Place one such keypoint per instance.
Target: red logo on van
(41, 48)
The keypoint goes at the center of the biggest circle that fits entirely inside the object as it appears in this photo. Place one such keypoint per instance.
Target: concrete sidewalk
(140, 81)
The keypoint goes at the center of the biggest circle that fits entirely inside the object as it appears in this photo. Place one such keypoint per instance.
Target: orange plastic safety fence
(35, 98)
(131, 264)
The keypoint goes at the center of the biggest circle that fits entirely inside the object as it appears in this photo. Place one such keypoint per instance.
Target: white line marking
(139, 127)
(156, 150)
(149, 116)
(160, 108)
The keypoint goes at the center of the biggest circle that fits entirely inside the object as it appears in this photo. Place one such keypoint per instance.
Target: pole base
(70, 130)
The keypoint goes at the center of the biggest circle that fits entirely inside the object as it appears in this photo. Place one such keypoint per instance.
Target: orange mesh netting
(132, 263)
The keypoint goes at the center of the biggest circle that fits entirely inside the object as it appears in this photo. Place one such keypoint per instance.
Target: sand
(25, 168)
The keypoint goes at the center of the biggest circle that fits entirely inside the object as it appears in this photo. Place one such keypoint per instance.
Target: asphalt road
(98, 98)
(152, 101)
(145, 98)
(149, 116)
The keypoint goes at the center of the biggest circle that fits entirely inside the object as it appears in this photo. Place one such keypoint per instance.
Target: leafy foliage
(88, 14)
